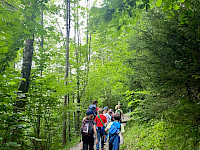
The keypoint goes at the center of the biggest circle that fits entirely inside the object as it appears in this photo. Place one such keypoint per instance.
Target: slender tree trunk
(66, 98)
(74, 114)
(90, 47)
(86, 59)
(38, 143)
(77, 62)
(68, 113)
(79, 95)
(14, 64)
(42, 42)
(87, 38)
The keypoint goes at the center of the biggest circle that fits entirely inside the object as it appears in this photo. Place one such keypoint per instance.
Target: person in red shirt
(101, 124)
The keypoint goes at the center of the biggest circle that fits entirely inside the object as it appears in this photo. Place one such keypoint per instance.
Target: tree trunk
(76, 34)
(66, 99)
(25, 75)
(17, 133)
(38, 143)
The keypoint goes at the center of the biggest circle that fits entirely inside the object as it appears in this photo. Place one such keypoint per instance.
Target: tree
(66, 99)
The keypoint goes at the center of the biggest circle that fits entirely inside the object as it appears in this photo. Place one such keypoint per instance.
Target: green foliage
(20, 130)
(164, 66)
(144, 54)
(8, 97)
(159, 135)
(159, 3)
(164, 53)
(10, 42)
(107, 81)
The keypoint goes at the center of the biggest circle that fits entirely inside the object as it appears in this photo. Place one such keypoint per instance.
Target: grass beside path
(160, 135)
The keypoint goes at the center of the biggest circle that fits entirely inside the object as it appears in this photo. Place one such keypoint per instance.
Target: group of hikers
(101, 124)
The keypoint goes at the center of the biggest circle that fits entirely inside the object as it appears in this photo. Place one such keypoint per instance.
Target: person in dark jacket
(88, 128)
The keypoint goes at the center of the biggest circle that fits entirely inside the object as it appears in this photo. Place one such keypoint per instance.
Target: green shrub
(160, 135)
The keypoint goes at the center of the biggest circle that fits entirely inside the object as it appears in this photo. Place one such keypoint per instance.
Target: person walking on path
(108, 117)
(105, 113)
(119, 111)
(111, 113)
(95, 102)
(114, 128)
(88, 128)
(101, 121)
(94, 107)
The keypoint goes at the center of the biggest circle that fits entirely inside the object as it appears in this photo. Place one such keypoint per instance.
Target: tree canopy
(58, 56)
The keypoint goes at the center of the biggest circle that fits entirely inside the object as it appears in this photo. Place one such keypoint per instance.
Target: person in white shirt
(105, 113)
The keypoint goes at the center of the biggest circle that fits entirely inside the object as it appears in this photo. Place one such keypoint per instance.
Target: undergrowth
(160, 135)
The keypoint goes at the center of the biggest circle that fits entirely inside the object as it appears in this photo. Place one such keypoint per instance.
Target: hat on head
(106, 107)
(89, 112)
(111, 110)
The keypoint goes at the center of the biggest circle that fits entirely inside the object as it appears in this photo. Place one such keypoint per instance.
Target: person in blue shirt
(114, 128)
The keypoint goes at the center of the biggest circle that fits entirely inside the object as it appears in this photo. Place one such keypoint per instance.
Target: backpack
(118, 112)
(87, 127)
(115, 128)
(93, 108)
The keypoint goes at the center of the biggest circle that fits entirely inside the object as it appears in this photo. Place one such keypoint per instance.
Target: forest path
(78, 146)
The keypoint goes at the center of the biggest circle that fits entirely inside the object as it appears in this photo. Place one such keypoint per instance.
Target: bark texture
(25, 75)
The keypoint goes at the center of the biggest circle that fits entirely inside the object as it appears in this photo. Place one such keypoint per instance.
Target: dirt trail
(78, 146)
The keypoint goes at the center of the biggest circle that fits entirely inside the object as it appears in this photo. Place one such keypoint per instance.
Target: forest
(56, 56)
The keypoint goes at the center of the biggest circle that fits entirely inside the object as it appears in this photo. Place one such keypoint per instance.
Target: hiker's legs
(91, 144)
(102, 136)
(98, 138)
(85, 143)
(110, 146)
(85, 146)
(81, 144)
(102, 141)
